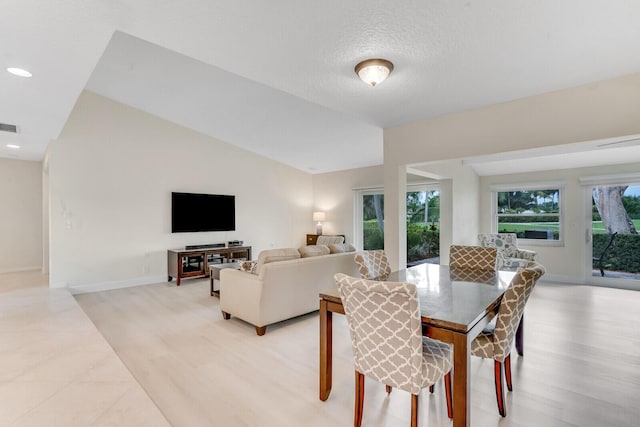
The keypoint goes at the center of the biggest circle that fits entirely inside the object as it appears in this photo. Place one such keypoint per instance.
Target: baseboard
(562, 279)
(117, 284)
(627, 284)
(20, 270)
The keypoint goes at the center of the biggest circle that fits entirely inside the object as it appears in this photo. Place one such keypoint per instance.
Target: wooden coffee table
(215, 274)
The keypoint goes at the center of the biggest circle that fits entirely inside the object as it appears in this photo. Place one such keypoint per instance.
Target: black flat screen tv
(192, 212)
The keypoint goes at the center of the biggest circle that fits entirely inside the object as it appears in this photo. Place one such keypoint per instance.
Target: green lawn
(512, 227)
(598, 227)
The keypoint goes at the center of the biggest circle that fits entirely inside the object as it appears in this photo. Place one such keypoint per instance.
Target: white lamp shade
(319, 216)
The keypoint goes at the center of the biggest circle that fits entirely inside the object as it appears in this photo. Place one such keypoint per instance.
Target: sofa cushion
(327, 240)
(273, 255)
(313, 250)
(338, 248)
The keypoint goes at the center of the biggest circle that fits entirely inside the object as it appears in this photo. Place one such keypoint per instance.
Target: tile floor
(56, 369)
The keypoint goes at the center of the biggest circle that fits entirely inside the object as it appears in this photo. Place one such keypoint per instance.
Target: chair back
(386, 330)
(472, 257)
(373, 265)
(506, 243)
(512, 307)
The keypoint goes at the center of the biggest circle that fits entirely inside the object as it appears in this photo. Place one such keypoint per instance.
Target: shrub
(622, 255)
(422, 241)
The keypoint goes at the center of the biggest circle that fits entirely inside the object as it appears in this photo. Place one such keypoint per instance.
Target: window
(530, 213)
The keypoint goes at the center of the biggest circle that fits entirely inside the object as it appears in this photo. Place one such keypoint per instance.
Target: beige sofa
(284, 285)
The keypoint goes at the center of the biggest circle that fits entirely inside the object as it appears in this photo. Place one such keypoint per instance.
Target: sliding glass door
(369, 219)
(615, 221)
(423, 221)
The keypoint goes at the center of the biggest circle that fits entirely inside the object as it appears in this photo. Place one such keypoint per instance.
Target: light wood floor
(581, 365)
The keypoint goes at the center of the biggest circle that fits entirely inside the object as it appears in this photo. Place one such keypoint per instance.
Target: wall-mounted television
(191, 212)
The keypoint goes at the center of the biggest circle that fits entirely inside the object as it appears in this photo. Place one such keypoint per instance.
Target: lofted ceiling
(277, 77)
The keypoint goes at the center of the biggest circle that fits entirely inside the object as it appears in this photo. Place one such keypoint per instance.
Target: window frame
(531, 186)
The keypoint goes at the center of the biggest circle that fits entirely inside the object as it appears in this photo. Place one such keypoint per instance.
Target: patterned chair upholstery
(472, 257)
(386, 337)
(509, 256)
(495, 341)
(373, 265)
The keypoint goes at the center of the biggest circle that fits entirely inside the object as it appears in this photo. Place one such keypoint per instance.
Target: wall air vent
(8, 128)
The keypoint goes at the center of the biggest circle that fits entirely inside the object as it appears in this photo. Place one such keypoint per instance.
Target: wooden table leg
(520, 337)
(461, 381)
(326, 350)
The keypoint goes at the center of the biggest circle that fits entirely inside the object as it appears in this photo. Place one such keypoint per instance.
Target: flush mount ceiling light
(19, 72)
(374, 71)
(13, 146)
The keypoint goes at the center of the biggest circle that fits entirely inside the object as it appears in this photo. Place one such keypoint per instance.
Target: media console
(194, 262)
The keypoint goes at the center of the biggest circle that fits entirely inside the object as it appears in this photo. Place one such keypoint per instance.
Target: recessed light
(13, 146)
(19, 72)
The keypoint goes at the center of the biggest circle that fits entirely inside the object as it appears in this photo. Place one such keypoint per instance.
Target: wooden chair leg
(359, 404)
(414, 410)
(507, 371)
(497, 371)
(261, 330)
(388, 389)
(447, 390)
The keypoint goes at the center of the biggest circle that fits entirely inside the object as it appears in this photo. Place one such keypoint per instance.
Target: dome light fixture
(19, 72)
(374, 71)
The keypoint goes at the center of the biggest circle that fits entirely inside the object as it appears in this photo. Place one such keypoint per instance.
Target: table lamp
(319, 217)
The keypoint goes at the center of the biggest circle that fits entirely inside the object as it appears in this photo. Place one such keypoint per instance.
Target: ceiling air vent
(8, 128)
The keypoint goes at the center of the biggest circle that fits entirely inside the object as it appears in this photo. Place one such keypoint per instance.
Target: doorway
(423, 224)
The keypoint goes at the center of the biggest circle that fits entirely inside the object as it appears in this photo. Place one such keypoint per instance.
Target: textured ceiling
(449, 55)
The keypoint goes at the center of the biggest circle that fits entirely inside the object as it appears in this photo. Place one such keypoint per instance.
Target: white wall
(111, 175)
(595, 111)
(20, 215)
(334, 194)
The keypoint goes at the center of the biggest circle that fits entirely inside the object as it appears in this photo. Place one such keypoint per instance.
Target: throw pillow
(249, 266)
(313, 250)
(339, 248)
(327, 240)
(273, 255)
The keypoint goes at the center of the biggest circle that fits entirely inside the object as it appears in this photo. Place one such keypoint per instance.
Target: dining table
(456, 304)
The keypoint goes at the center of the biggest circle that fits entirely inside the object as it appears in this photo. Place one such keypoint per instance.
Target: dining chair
(495, 341)
(472, 257)
(388, 346)
(510, 257)
(373, 265)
